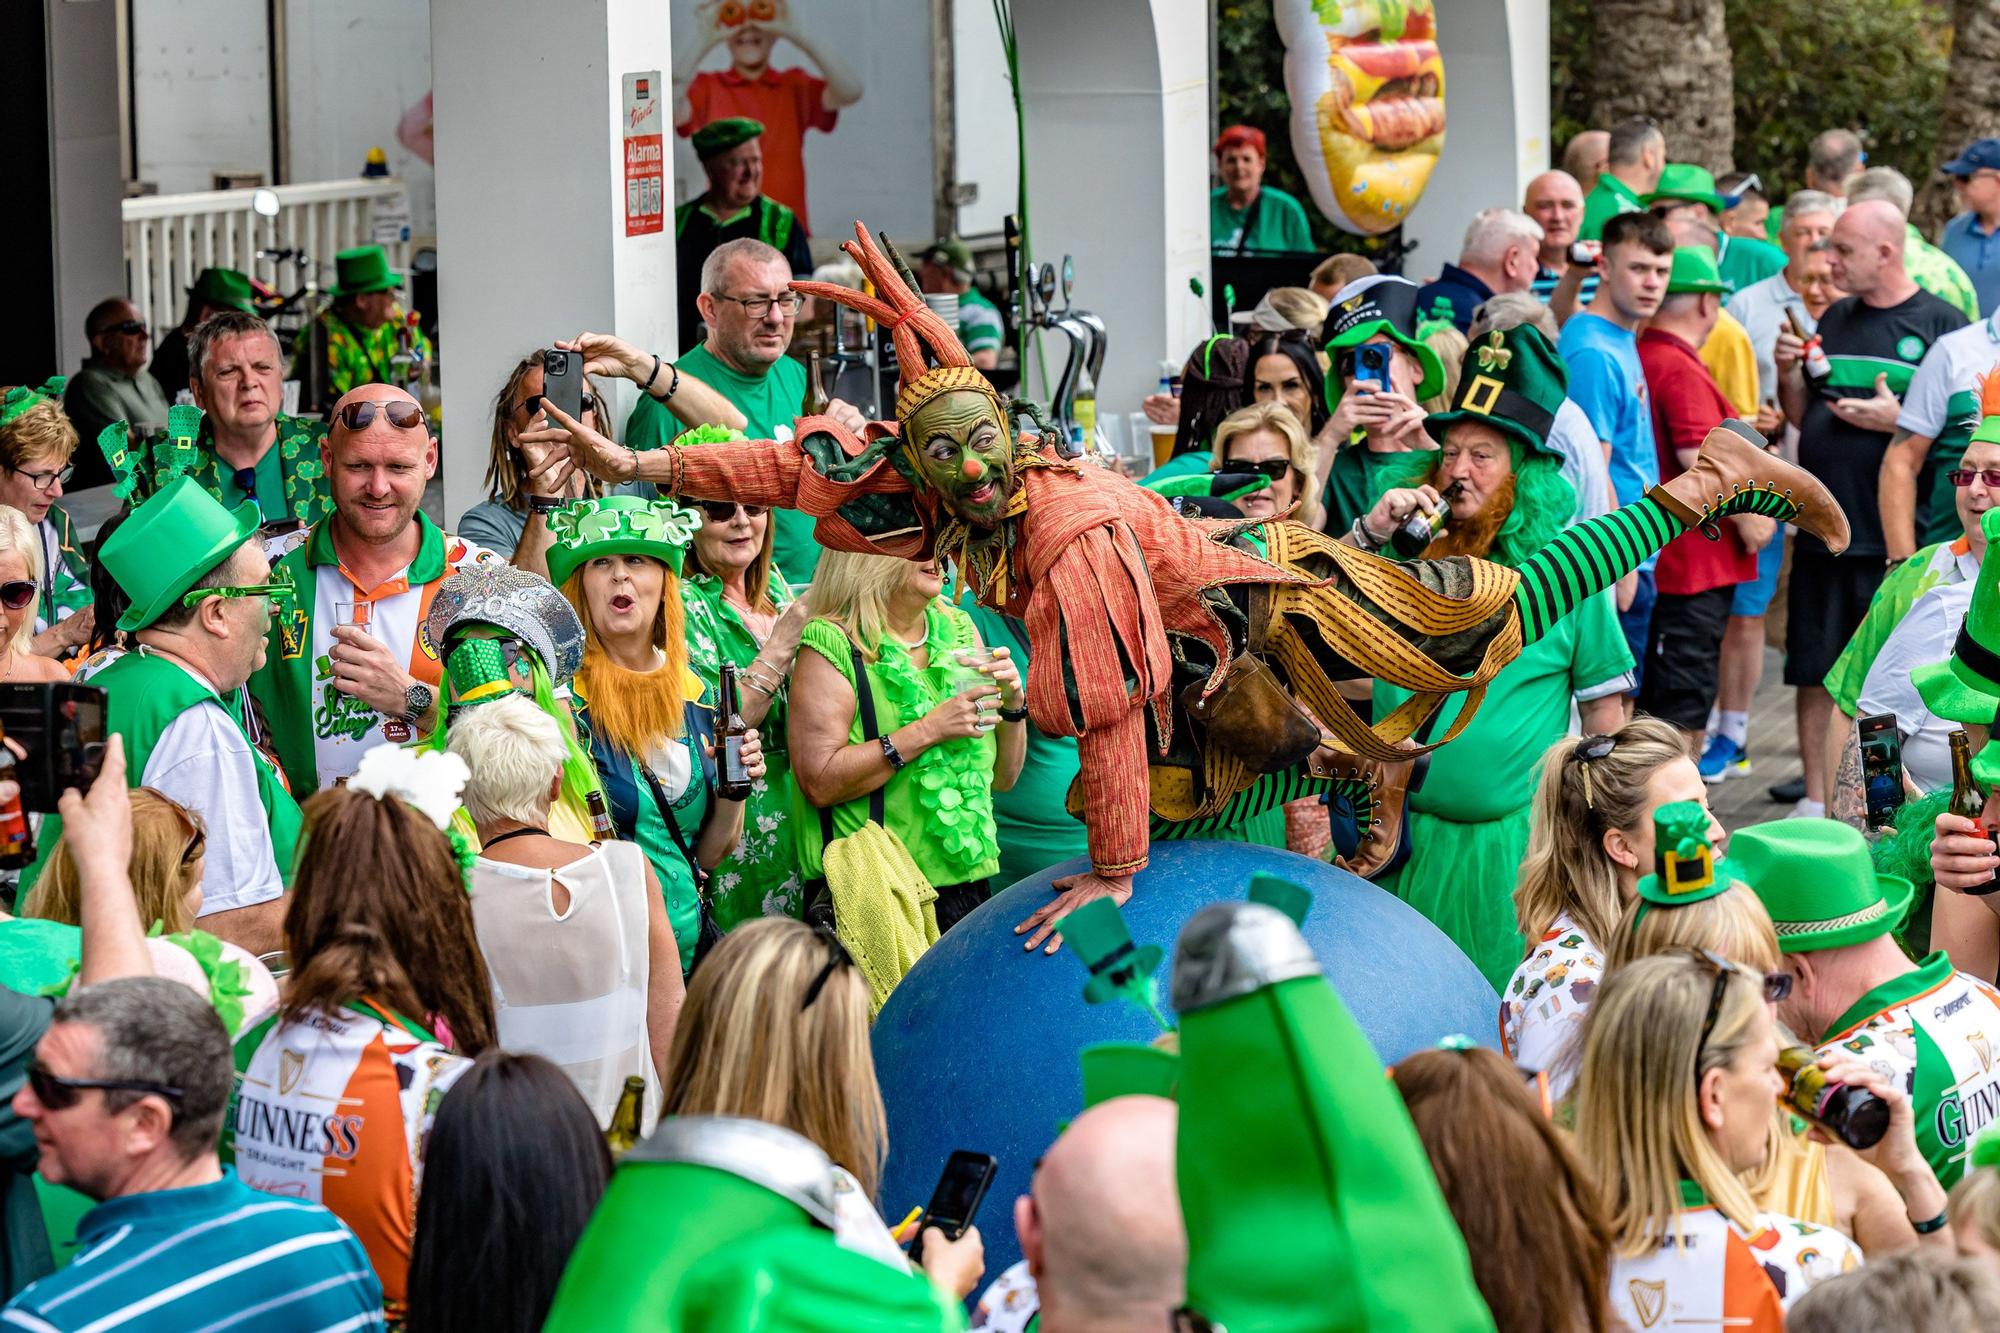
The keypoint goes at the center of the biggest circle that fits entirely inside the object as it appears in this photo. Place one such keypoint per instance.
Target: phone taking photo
(1881, 767)
(960, 1189)
(61, 727)
(562, 381)
(1371, 364)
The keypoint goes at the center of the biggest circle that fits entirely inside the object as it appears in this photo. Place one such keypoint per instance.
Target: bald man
(1555, 200)
(1873, 340)
(1584, 157)
(348, 666)
(1100, 1228)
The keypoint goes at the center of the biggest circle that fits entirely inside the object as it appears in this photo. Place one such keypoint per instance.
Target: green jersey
(1274, 223)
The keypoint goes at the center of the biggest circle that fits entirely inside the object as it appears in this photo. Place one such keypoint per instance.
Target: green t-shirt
(270, 483)
(979, 324)
(1607, 200)
(1745, 260)
(1938, 273)
(1280, 226)
(771, 403)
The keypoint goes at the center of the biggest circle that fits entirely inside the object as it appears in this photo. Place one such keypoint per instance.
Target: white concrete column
(1116, 98)
(87, 179)
(1496, 108)
(531, 198)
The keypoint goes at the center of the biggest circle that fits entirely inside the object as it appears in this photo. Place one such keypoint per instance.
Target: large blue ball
(978, 1047)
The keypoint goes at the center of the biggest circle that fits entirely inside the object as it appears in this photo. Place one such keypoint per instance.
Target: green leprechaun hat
(223, 287)
(1380, 303)
(1685, 867)
(1694, 271)
(1684, 181)
(1119, 969)
(619, 525)
(1818, 883)
(18, 400)
(169, 543)
(1966, 686)
(1513, 381)
(1308, 1199)
(363, 269)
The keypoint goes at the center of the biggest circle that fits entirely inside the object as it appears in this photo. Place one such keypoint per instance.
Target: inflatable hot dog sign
(1367, 90)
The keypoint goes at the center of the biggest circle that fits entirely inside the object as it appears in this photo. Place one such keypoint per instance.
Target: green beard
(956, 418)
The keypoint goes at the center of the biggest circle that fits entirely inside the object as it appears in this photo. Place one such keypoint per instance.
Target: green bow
(228, 982)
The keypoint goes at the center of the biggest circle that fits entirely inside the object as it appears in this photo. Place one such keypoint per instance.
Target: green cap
(169, 544)
(1513, 381)
(1966, 686)
(1816, 880)
(362, 269)
(619, 525)
(221, 286)
(1684, 866)
(719, 136)
(1380, 303)
(951, 253)
(1695, 271)
(1685, 180)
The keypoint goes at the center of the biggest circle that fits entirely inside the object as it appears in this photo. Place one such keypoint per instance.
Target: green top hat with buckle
(1966, 686)
(363, 269)
(719, 136)
(1512, 381)
(619, 525)
(1119, 969)
(1818, 883)
(1694, 270)
(169, 544)
(1685, 867)
(223, 287)
(1684, 181)
(1379, 304)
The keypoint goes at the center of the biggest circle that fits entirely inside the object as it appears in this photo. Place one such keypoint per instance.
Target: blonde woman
(1450, 345)
(1975, 1204)
(1590, 839)
(947, 728)
(1673, 1109)
(775, 1028)
(1267, 438)
(21, 574)
(37, 445)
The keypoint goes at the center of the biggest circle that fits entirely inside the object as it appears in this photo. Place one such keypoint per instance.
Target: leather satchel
(1253, 717)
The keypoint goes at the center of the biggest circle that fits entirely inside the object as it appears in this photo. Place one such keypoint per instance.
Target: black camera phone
(61, 727)
(1881, 767)
(562, 381)
(960, 1189)
(1371, 362)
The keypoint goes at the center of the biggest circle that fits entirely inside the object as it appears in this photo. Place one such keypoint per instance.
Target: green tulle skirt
(1461, 876)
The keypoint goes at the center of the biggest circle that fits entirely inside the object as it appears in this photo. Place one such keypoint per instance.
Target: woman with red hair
(1246, 216)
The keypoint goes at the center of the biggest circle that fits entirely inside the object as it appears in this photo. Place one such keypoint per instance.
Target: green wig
(1544, 501)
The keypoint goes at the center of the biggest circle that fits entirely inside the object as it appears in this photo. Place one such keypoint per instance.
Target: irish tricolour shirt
(1936, 1032)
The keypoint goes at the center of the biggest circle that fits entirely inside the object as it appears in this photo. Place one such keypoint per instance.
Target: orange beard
(1474, 535)
(634, 710)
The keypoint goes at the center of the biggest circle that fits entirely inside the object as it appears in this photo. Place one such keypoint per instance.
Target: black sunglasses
(1587, 752)
(590, 402)
(837, 954)
(59, 1094)
(401, 414)
(1774, 986)
(721, 511)
(128, 327)
(17, 593)
(1963, 476)
(1277, 469)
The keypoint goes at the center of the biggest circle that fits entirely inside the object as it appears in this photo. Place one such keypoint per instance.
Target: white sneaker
(1808, 809)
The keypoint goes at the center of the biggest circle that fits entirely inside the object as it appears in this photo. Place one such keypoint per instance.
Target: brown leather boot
(1735, 474)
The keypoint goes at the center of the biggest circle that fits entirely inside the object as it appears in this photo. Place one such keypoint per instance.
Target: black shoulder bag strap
(673, 826)
(1249, 223)
(864, 704)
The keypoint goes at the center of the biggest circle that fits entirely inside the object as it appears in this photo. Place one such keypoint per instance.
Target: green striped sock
(1586, 559)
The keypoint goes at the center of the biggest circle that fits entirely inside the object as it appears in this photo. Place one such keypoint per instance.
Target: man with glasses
(349, 667)
(750, 310)
(734, 206)
(112, 386)
(126, 1095)
(1973, 237)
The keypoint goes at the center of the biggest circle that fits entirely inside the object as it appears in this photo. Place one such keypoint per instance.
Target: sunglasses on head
(721, 511)
(59, 1094)
(1774, 987)
(1587, 752)
(1963, 476)
(1277, 469)
(837, 956)
(401, 414)
(16, 594)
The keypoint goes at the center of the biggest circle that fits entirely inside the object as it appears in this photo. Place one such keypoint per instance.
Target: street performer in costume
(1161, 647)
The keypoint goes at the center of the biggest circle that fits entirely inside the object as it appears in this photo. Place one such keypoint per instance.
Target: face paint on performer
(963, 452)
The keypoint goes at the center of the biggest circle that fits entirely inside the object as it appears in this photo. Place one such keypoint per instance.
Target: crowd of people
(430, 864)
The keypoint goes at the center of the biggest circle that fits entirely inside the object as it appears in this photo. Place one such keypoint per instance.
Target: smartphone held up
(54, 736)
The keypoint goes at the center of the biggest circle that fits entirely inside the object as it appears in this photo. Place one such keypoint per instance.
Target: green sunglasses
(279, 589)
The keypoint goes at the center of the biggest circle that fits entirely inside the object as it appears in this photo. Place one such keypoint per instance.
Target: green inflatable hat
(1513, 381)
(1380, 304)
(1818, 883)
(1685, 869)
(1694, 270)
(719, 136)
(583, 530)
(1127, 1069)
(1688, 182)
(223, 287)
(363, 269)
(1966, 686)
(169, 544)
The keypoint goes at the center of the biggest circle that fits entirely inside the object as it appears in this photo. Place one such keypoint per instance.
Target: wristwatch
(546, 504)
(892, 754)
(1014, 714)
(417, 701)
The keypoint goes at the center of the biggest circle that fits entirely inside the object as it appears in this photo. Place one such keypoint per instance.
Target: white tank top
(572, 987)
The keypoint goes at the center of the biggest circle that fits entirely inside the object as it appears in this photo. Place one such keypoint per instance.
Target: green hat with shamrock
(1694, 270)
(619, 525)
(169, 544)
(1513, 381)
(363, 269)
(719, 136)
(1966, 686)
(223, 287)
(1686, 181)
(1380, 303)
(1685, 867)
(1818, 882)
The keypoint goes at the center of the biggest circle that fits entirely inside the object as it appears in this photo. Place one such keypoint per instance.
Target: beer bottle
(622, 1135)
(1852, 1114)
(1817, 367)
(1423, 527)
(17, 840)
(1967, 800)
(817, 400)
(732, 777)
(601, 827)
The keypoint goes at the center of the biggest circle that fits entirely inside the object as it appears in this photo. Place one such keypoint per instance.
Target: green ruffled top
(941, 803)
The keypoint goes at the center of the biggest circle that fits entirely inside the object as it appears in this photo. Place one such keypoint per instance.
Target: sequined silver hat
(526, 605)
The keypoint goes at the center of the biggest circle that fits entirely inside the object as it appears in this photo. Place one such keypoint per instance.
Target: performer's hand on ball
(1072, 892)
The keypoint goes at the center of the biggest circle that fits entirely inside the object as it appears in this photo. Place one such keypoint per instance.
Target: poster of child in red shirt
(787, 102)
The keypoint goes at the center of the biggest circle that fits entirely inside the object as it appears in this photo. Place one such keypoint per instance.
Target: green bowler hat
(1685, 869)
(1380, 303)
(221, 286)
(1816, 880)
(1695, 271)
(169, 543)
(363, 269)
(719, 136)
(1966, 686)
(1686, 181)
(619, 525)
(1513, 381)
